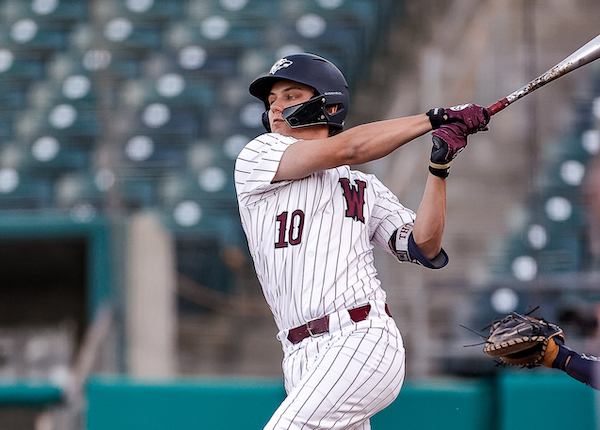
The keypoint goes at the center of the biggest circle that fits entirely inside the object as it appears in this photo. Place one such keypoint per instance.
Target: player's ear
(332, 109)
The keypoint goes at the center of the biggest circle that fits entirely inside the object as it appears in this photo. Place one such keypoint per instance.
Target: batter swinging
(310, 222)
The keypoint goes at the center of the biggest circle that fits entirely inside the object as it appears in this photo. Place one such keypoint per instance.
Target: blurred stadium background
(121, 250)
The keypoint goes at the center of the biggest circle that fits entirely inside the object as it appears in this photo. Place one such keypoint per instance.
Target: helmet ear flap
(265, 121)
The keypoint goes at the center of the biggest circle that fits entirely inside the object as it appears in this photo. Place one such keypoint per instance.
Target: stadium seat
(19, 67)
(56, 14)
(47, 158)
(152, 12)
(30, 193)
(34, 37)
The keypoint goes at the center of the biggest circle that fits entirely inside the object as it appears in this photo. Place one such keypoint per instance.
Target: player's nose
(276, 107)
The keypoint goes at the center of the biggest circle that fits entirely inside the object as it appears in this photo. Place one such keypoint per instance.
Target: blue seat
(168, 156)
(254, 10)
(216, 64)
(66, 91)
(181, 122)
(23, 68)
(86, 125)
(189, 188)
(125, 65)
(121, 33)
(78, 188)
(67, 159)
(6, 126)
(31, 193)
(137, 193)
(156, 12)
(13, 96)
(61, 14)
(192, 94)
(45, 39)
(239, 35)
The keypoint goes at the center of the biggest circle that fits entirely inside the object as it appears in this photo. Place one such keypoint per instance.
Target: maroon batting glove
(448, 141)
(473, 116)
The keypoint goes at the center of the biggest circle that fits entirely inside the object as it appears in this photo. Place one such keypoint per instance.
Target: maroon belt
(320, 326)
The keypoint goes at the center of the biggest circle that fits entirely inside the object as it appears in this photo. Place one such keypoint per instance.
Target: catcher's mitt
(521, 340)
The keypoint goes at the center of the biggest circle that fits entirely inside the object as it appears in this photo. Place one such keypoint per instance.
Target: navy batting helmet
(328, 81)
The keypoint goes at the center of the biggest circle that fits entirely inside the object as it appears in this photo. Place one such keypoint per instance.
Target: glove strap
(437, 117)
(441, 170)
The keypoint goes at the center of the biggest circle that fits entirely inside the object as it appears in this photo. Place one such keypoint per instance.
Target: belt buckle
(310, 332)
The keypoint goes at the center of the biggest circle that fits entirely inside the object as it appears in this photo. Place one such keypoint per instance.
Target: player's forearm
(584, 368)
(431, 217)
(375, 140)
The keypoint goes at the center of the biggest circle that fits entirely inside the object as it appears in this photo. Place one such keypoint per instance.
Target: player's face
(285, 94)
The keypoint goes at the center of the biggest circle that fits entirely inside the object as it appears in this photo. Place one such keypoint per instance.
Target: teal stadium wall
(514, 401)
(546, 401)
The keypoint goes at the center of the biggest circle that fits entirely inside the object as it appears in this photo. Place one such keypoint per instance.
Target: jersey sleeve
(388, 215)
(257, 164)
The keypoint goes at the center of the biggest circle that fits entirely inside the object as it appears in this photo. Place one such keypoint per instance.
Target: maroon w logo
(355, 198)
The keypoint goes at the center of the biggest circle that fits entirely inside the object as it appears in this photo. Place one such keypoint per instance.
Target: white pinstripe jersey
(310, 239)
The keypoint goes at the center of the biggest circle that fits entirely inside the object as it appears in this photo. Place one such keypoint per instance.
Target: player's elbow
(430, 246)
(429, 250)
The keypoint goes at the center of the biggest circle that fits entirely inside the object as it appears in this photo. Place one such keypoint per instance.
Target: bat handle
(498, 106)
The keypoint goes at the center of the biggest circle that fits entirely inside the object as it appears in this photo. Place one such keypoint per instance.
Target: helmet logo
(280, 64)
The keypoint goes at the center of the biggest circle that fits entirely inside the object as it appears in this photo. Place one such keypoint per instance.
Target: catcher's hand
(523, 341)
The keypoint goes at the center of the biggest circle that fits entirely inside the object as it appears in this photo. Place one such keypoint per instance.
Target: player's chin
(280, 126)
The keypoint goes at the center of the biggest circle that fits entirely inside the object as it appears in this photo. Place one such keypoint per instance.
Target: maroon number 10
(293, 231)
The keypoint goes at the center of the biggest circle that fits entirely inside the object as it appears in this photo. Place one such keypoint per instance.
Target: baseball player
(311, 223)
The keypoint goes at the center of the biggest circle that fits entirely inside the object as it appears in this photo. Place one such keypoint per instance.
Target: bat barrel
(584, 55)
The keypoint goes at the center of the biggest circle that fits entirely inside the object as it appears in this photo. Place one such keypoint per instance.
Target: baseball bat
(584, 55)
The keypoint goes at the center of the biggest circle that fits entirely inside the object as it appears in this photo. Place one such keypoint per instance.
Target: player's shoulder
(372, 182)
(270, 139)
(352, 174)
(261, 145)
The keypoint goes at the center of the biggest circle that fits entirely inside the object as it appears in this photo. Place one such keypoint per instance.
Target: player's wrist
(437, 117)
(439, 170)
(551, 354)
(440, 160)
(563, 355)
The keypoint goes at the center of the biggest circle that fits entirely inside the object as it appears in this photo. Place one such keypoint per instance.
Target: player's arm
(357, 145)
(421, 241)
(448, 141)
(582, 367)
(425, 241)
(431, 218)
(372, 141)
